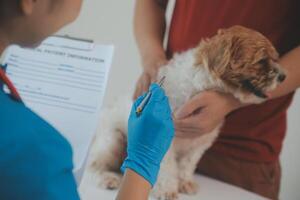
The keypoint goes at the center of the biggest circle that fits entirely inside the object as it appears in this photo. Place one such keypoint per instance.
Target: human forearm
(291, 63)
(134, 187)
(149, 28)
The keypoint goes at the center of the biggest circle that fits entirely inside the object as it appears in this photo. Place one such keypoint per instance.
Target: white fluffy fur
(183, 80)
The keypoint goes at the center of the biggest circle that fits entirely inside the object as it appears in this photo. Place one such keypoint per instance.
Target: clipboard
(89, 44)
(64, 81)
(75, 38)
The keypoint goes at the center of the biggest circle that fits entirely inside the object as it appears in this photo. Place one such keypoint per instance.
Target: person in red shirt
(247, 152)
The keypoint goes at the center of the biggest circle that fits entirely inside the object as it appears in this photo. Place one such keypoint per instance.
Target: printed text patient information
(64, 81)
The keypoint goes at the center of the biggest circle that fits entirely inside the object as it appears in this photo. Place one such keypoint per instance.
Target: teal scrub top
(35, 160)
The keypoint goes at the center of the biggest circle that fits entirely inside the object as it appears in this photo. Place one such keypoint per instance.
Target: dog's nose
(281, 77)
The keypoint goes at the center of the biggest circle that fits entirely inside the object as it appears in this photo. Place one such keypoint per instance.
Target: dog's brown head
(244, 60)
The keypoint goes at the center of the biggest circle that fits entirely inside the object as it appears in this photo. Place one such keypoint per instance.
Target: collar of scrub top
(5, 80)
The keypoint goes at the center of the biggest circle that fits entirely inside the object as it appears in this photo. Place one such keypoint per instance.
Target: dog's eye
(275, 70)
(263, 62)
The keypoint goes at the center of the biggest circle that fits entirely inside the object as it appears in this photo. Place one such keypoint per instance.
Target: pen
(142, 105)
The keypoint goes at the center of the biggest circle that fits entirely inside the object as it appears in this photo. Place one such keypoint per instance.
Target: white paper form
(64, 81)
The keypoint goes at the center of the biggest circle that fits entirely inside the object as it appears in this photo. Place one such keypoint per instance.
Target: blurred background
(110, 22)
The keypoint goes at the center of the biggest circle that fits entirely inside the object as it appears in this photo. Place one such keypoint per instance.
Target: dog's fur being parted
(237, 60)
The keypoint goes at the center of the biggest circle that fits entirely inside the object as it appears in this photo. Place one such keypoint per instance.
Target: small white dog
(237, 60)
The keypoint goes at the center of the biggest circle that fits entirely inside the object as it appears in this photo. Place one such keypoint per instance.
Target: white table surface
(209, 189)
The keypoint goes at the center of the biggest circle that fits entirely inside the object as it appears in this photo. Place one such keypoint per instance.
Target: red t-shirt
(255, 132)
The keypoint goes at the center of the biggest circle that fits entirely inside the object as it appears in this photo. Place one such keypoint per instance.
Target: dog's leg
(186, 166)
(108, 148)
(187, 162)
(106, 160)
(166, 187)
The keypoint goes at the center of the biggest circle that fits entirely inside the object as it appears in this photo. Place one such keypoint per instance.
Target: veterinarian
(247, 152)
(35, 160)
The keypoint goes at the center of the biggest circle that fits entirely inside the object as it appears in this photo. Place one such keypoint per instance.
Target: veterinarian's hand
(203, 113)
(148, 76)
(149, 135)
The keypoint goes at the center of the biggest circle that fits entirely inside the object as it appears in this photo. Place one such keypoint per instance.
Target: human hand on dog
(149, 75)
(203, 113)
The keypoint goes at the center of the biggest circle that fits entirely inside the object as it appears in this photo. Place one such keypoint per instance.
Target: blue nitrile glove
(149, 135)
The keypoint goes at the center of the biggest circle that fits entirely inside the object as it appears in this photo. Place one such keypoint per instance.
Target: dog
(237, 60)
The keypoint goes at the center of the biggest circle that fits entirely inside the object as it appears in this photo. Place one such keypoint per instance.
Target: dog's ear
(224, 56)
(215, 54)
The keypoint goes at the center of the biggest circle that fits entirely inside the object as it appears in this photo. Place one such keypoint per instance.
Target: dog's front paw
(110, 180)
(166, 190)
(165, 195)
(188, 187)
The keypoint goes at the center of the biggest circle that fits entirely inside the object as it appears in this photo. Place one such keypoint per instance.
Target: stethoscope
(5, 80)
